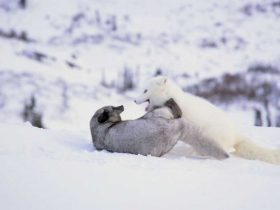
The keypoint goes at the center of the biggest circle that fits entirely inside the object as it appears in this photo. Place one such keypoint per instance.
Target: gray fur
(175, 109)
(153, 134)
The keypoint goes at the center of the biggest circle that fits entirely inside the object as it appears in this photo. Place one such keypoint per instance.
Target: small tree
(258, 117)
(31, 115)
(158, 72)
(278, 120)
(23, 3)
(128, 80)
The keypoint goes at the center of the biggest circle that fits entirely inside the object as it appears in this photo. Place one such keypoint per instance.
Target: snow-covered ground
(71, 55)
(47, 169)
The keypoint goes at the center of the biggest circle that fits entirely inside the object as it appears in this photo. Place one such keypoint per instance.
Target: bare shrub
(127, 80)
(31, 115)
(258, 85)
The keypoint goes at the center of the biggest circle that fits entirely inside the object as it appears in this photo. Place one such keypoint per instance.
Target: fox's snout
(140, 100)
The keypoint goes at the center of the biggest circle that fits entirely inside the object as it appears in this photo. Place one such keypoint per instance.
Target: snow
(196, 38)
(58, 168)
(51, 169)
(171, 33)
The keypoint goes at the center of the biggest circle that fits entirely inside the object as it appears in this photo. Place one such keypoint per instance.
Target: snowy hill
(45, 169)
(73, 55)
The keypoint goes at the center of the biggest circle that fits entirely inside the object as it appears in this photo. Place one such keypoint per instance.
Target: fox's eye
(145, 91)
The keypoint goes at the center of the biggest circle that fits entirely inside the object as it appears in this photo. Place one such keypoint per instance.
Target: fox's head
(156, 92)
(109, 114)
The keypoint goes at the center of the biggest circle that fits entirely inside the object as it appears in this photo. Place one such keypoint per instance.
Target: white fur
(212, 121)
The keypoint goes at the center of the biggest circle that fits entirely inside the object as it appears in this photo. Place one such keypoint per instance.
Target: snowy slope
(73, 47)
(181, 36)
(72, 60)
(47, 169)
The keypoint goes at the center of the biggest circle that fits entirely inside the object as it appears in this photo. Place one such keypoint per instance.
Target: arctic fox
(213, 123)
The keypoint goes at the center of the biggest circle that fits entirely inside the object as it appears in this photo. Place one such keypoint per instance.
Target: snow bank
(47, 169)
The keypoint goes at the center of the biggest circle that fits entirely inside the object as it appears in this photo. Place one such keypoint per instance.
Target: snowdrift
(47, 169)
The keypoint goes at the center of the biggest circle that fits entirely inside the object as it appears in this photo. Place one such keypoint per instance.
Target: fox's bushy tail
(247, 149)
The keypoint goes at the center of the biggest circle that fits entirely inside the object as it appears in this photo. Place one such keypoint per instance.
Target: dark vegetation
(12, 5)
(23, 4)
(48, 95)
(272, 7)
(17, 35)
(31, 114)
(257, 88)
(105, 26)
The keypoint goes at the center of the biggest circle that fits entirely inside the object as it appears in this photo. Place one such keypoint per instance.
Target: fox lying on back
(153, 134)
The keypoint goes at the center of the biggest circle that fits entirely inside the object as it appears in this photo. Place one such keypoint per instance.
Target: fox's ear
(163, 81)
(119, 109)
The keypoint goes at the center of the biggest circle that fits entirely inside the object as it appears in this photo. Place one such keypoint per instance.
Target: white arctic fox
(213, 123)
